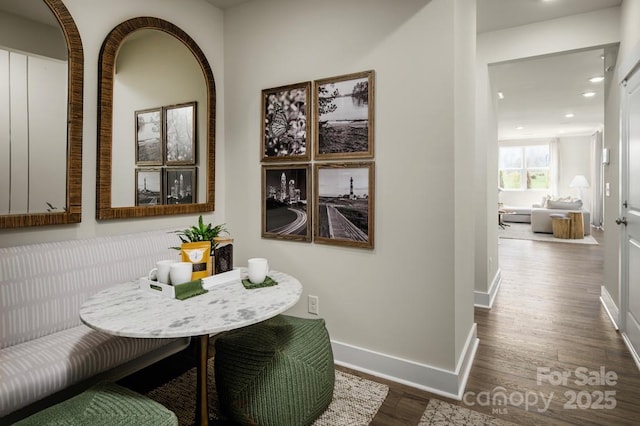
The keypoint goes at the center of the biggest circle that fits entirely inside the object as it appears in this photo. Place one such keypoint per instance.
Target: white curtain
(597, 199)
(554, 163)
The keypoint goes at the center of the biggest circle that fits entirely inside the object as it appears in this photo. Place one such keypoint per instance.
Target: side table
(561, 226)
(577, 225)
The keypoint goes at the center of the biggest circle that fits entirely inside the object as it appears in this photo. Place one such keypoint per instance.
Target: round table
(126, 310)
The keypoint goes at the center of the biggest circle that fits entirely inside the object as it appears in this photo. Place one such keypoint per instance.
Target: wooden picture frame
(285, 116)
(344, 203)
(344, 116)
(180, 134)
(149, 187)
(180, 185)
(286, 202)
(149, 139)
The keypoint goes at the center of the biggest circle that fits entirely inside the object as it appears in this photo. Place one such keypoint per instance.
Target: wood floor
(546, 320)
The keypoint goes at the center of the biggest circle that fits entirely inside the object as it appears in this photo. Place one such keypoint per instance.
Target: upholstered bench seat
(279, 372)
(40, 367)
(104, 404)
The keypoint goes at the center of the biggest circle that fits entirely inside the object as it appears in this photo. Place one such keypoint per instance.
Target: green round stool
(275, 373)
(104, 404)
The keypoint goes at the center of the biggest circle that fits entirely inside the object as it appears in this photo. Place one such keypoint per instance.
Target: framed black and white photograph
(344, 204)
(285, 123)
(180, 134)
(148, 187)
(344, 116)
(149, 137)
(286, 202)
(180, 185)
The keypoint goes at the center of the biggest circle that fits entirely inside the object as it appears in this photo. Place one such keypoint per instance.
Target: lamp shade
(579, 181)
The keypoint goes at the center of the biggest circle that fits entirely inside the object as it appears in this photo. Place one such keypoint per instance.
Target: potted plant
(201, 232)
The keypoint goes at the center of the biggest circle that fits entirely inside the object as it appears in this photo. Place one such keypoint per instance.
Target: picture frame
(149, 137)
(286, 134)
(148, 190)
(344, 204)
(344, 116)
(287, 202)
(180, 134)
(180, 185)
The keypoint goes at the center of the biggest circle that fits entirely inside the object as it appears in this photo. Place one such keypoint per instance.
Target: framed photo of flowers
(180, 134)
(286, 202)
(344, 116)
(286, 132)
(344, 203)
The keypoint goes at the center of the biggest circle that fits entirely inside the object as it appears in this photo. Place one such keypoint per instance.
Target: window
(524, 167)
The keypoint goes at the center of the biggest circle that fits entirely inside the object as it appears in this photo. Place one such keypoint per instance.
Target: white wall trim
(432, 379)
(485, 299)
(609, 306)
(632, 350)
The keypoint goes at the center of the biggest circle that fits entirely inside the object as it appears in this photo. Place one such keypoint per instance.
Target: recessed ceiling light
(569, 115)
(500, 95)
(589, 94)
(519, 128)
(596, 79)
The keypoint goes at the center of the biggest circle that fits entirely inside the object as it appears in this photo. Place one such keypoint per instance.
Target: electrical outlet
(314, 305)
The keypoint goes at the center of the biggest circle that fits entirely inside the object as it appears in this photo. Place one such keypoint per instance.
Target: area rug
(440, 413)
(355, 400)
(522, 231)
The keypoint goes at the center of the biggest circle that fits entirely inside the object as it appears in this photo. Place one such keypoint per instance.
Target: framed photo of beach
(286, 202)
(286, 132)
(344, 202)
(344, 116)
(149, 137)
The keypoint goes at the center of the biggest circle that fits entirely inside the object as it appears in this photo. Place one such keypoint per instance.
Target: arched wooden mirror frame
(73, 208)
(106, 64)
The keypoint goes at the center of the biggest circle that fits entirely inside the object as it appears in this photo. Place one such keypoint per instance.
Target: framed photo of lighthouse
(180, 185)
(148, 186)
(286, 202)
(344, 201)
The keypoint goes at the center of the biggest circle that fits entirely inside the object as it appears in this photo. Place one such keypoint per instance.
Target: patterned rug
(440, 413)
(355, 400)
(522, 231)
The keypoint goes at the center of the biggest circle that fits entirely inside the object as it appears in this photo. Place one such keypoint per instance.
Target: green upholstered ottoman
(275, 373)
(104, 404)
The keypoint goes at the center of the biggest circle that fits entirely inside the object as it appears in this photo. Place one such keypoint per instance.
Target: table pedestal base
(202, 397)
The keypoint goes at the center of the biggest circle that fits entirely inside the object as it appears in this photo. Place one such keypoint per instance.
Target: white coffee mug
(180, 272)
(161, 271)
(258, 269)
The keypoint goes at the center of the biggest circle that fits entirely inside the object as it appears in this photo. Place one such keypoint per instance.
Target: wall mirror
(156, 88)
(41, 79)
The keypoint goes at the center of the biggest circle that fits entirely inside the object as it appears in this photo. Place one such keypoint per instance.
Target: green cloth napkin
(190, 289)
(268, 282)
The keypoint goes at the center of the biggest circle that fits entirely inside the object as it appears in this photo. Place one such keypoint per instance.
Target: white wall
(575, 159)
(94, 18)
(408, 301)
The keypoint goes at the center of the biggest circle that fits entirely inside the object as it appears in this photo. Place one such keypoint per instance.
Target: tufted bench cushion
(104, 404)
(275, 373)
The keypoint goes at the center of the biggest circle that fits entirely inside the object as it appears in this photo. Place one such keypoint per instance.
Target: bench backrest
(42, 286)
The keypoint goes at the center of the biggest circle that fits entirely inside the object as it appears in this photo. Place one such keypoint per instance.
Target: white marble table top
(126, 310)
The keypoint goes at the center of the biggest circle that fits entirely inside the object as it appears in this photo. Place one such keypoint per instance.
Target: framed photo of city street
(344, 200)
(286, 202)
(286, 132)
(149, 137)
(180, 185)
(148, 186)
(344, 116)
(180, 134)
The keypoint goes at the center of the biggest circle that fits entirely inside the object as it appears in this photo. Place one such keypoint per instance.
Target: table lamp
(580, 182)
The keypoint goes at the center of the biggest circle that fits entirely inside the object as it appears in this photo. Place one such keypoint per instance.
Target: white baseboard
(632, 350)
(609, 306)
(485, 300)
(432, 379)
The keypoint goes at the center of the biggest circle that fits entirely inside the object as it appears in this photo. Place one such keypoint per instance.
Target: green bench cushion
(278, 372)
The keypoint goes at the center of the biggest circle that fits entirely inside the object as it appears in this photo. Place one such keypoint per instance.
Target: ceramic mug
(180, 272)
(161, 271)
(258, 269)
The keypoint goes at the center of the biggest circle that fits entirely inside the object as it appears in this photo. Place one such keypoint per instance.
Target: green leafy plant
(201, 232)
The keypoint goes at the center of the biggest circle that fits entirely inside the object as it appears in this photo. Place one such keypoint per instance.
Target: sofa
(46, 353)
(541, 216)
